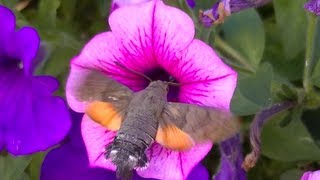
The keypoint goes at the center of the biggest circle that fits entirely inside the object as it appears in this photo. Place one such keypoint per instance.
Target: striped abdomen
(135, 135)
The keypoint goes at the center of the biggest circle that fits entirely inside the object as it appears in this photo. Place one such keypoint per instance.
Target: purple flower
(31, 118)
(70, 161)
(223, 8)
(311, 175)
(231, 160)
(191, 3)
(313, 6)
(158, 41)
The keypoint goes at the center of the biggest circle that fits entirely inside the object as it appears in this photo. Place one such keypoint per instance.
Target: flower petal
(169, 164)
(205, 79)
(154, 33)
(122, 3)
(34, 120)
(198, 172)
(96, 138)
(313, 6)
(7, 24)
(24, 45)
(306, 175)
(164, 163)
(315, 175)
(70, 161)
(231, 160)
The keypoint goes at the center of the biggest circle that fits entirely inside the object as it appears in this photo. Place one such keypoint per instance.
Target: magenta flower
(158, 41)
(31, 118)
(313, 6)
(70, 161)
(311, 175)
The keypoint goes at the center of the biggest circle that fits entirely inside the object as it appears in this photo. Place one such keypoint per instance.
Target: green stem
(221, 44)
(310, 42)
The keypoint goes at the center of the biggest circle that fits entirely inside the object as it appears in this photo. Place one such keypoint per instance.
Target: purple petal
(32, 119)
(199, 172)
(70, 160)
(7, 24)
(210, 16)
(22, 45)
(231, 160)
(234, 6)
(313, 6)
(26, 46)
(311, 175)
(191, 3)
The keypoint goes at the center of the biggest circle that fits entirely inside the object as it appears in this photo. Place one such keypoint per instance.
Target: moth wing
(194, 124)
(106, 100)
(105, 114)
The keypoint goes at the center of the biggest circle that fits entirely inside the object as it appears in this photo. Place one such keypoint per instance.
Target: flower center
(12, 64)
(161, 74)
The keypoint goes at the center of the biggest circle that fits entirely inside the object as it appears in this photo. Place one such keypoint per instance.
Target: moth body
(138, 130)
(140, 118)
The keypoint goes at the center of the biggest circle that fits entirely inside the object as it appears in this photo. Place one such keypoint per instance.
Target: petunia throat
(159, 73)
(8, 63)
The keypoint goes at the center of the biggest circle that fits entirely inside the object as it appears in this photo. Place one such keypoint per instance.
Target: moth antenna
(173, 84)
(132, 71)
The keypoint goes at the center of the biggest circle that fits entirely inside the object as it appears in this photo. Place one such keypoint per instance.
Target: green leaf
(290, 143)
(291, 22)
(316, 57)
(35, 165)
(274, 54)
(244, 32)
(68, 9)
(12, 168)
(316, 75)
(253, 93)
(9, 3)
(47, 14)
(310, 119)
(242, 106)
(292, 174)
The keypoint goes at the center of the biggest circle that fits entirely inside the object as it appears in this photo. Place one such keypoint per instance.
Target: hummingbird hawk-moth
(140, 118)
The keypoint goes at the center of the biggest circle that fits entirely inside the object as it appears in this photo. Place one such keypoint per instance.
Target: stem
(256, 128)
(310, 42)
(233, 53)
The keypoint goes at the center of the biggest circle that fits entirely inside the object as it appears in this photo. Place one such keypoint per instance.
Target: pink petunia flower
(158, 41)
(311, 175)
